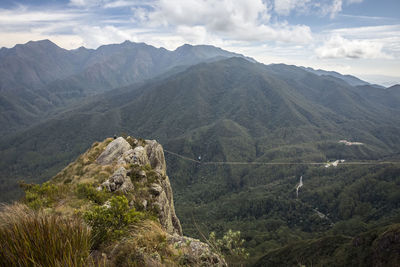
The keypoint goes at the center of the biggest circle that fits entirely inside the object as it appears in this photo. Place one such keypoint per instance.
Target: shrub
(109, 222)
(33, 238)
(230, 246)
(91, 193)
(38, 196)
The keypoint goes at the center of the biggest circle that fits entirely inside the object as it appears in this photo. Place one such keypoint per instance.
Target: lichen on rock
(119, 153)
(114, 150)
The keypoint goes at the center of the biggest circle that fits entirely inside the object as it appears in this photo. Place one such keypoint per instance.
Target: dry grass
(145, 246)
(34, 238)
(85, 169)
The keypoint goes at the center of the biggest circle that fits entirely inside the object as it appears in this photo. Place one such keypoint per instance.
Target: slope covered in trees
(234, 110)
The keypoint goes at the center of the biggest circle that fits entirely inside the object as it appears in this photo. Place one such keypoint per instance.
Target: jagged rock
(118, 181)
(152, 153)
(156, 189)
(139, 156)
(155, 154)
(197, 253)
(113, 151)
(165, 204)
(126, 157)
(153, 194)
(134, 156)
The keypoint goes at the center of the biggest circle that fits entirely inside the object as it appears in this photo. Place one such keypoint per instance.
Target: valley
(238, 136)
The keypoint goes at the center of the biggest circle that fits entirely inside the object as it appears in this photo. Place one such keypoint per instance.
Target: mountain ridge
(232, 109)
(119, 191)
(39, 77)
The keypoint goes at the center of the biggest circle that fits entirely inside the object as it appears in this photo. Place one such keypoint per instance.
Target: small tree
(110, 222)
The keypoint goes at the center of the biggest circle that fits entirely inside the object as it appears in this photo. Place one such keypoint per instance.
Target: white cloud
(119, 3)
(354, 1)
(245, 20)
(322, 7)
(335, 8)
(339, 47)
(139, 14)
(284, 7)
(92, 37)
(219, 15)
(107, 3)
(23, 16)
(85, 3)
(388, 35)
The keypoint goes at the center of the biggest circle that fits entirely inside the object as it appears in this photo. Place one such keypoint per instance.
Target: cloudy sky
(359, 37)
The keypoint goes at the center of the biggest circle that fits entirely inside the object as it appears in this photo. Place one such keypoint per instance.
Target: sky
(358, 37)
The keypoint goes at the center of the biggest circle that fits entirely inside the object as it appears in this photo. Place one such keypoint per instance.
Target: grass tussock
(146, 245)
(34, 238)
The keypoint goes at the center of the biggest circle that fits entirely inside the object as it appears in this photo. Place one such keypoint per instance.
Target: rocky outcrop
(118, 181)
(114, 150)
(146, 166)
(197, 253)
(135, 171)
(155, 154)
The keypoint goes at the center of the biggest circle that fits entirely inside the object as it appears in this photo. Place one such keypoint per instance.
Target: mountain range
(39, 77)
(212, 106)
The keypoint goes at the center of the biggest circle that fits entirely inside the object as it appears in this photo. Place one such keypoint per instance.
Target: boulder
(139, 156)
(113, 151)
(155, 154)
(196, 253)
(118, 181)
(120, 152)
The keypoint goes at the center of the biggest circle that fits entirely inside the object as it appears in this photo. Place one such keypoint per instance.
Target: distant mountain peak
(184, 47)
(352, 80)
(41, 43)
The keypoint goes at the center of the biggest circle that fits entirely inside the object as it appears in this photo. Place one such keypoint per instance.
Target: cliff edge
(120, 189)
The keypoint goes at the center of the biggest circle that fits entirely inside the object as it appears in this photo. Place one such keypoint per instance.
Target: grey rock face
(197, 252)
(120, 152)
(155, 154)
(118, 181)
(113, 151)
(165, 203)
(139, 156)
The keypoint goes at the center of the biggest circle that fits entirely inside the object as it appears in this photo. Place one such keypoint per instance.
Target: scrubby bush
(91, 193)
(33, 238)
(39, 196)
(230, 246)
(109, 222)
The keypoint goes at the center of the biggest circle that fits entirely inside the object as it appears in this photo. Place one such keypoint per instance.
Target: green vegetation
(231, 247)
(110, 223)
(265, 209)
(39, 196)
(89, 192)
(377, 247)
(147, 242)
(236, 111)
(34, 238)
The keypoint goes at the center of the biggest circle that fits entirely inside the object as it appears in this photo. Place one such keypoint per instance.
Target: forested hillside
(252, 131)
